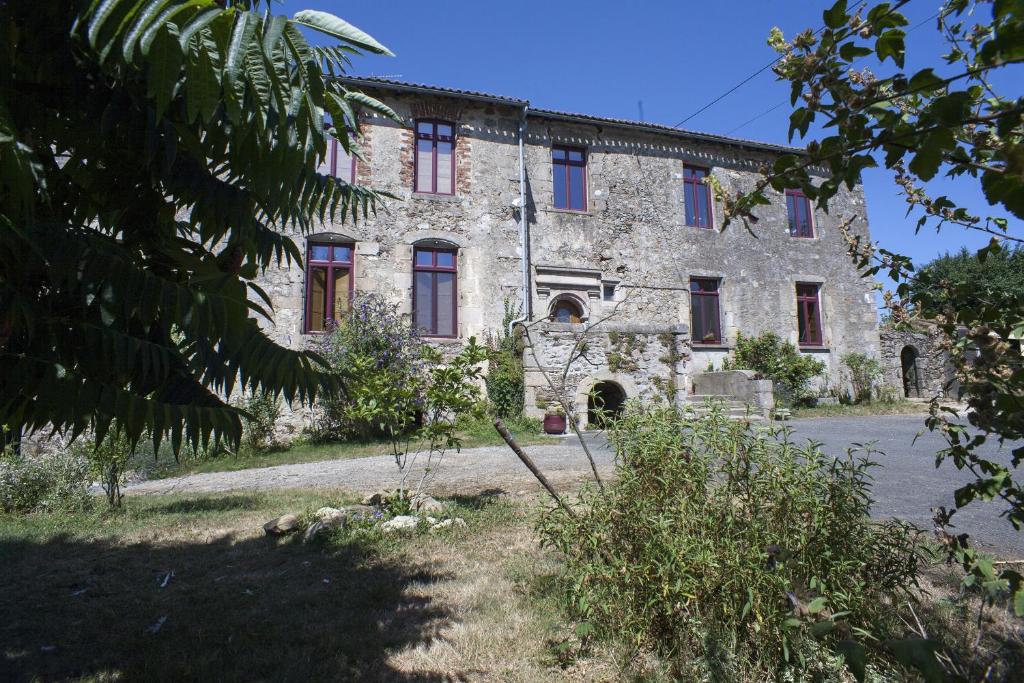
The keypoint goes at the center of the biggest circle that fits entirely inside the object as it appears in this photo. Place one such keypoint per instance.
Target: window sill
(815, 348)
(430, 196)
(710, 347)
(571, 212)
(440, 340)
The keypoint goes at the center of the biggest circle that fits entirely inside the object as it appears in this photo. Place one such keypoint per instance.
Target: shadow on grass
(255, 609)
(208, 504)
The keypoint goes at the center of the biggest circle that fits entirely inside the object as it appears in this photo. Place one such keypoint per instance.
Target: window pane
(445, 304)
(320, 252)
(697, 317)
(575, 155)
(813, 331)
(712, 324)
(425, 127)
(691, 209)
(317, 299)
(343, 254)
(424, 257)
(343, 169)
(342, 280)
(558, 186)
(703, 209)
(791, 213)
(445, 259)
(423, 304)
(444, 168)
(444, 129)
(424, 166)
(558, 154)
(804, 215)
(577, 200)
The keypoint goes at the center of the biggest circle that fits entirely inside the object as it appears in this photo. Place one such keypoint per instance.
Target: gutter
(524, 227)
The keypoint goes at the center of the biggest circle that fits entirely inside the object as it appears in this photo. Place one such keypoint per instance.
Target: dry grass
(864, 409)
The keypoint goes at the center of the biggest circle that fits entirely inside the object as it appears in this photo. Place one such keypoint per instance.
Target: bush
(790, 371)
(262, 412)
(863, 372)
(505, 379)
(52, 481)
(109, 461)
(730, 553)
(370, 346)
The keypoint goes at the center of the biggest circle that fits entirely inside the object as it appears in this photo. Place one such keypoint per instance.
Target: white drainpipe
(524, 229)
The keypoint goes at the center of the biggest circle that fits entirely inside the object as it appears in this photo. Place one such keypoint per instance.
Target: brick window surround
(808, 309)
(569, 177)
(801, 218)
(696, 197)
(435, 291)
(329, 284)
(434, 157)
(705, 315)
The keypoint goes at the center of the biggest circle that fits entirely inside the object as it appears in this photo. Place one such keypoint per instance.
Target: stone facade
(627, 259)
(916, 363)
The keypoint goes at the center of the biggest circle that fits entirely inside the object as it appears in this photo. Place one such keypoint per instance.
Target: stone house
(617, 226)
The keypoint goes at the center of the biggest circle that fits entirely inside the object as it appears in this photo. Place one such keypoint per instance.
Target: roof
(657, 128)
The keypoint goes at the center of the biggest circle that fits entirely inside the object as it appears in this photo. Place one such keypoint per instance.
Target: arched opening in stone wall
(911, 374)
(604, 403)
(566, 310)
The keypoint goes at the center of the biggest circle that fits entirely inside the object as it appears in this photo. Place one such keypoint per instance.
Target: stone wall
(918, 352)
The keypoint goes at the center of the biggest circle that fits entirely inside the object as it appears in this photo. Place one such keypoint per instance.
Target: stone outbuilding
(916, 361)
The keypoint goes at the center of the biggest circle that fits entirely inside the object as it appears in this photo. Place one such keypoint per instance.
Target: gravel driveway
(907, 484)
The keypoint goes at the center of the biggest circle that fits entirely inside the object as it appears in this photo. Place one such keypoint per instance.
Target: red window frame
(564, 166)
(434, 268)
(329, 265)
(693, 187)
(434, 138)
(337, 149)
(808, 305)
(706, 290)
(797, 201)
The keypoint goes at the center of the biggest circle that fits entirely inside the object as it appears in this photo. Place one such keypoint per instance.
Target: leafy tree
(973, 282)
(154, 156)
(505, 379)
(947, 119)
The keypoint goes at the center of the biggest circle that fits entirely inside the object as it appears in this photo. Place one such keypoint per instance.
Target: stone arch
(586, 386)
(562, 302)
(910, 370)
(605, 401)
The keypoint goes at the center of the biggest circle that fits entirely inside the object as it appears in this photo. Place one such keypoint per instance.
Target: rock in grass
(279, 526)
(376, 498)
(457, 523)
(400, 523)
(426, 504)
(331, 517)
(360, 511)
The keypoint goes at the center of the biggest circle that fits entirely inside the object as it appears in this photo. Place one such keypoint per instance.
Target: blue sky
(602, 58)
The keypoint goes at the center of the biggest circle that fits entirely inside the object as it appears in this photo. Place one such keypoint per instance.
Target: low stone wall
(906, 353)
(741, 385)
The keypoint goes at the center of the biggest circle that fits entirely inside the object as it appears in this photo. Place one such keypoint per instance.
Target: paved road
(907, 485)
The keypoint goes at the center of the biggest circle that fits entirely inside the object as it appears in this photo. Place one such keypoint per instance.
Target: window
(704, 316)
(808, 309)
(608, 292)
(696, 197)
(569, 178)
(328, 284)
(434, 291)
(435, 157)
(340, 163)
(799, 209)
(566, 311)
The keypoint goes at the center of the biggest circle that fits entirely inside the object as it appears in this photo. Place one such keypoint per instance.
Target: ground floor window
(705, 319)
(328, 284)
(434, 291)
(808, 306)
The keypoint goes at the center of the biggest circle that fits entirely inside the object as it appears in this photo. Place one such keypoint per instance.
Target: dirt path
(471, 471)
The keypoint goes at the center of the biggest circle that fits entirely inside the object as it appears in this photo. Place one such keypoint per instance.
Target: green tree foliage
(849, 80)
(154, 156)
(962, 280)
(863, 371)
(505, 379)
(771, 358)
(733, 553)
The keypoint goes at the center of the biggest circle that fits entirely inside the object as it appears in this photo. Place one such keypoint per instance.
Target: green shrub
(730, 553)
(51, 481)
(505, 379)
(863, 372)
(262, 412)
(109, 461)
(771, 358)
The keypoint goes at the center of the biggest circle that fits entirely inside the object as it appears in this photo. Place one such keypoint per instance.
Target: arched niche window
(435, 267)
(329, 280)
(566, 310)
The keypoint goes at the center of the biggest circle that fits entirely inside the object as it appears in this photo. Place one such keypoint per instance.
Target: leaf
(930, 153)
(919, 654)
(164, 60)
(1018, 602)
(336, 27)
(855, 656)
(816, 605)
(835, 16)
(925, 80)
(891, 45)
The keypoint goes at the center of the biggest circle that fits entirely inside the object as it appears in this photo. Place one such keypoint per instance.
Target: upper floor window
(569, 178)
(704, 311)
(328, 284)
(435, 157)
(800, 215)
(808, 310)
(696, 197)
(566, 311)
(340, 163)
(434, 291)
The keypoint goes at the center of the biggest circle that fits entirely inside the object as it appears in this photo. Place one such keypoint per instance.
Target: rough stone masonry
(622, 253)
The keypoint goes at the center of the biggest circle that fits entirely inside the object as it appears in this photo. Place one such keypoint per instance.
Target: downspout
(524, 229)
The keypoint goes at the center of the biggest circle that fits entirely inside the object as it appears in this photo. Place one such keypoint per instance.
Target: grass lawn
(189, 588)
(476, 434)
(863, 410)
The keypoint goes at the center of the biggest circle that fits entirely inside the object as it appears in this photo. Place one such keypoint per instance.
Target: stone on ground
(400, 523)
(279, 526)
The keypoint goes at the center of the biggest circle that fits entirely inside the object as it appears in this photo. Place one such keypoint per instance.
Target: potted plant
(554, 419)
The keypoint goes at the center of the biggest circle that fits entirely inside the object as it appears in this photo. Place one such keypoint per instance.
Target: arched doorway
(911, 376)
(604, 403)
